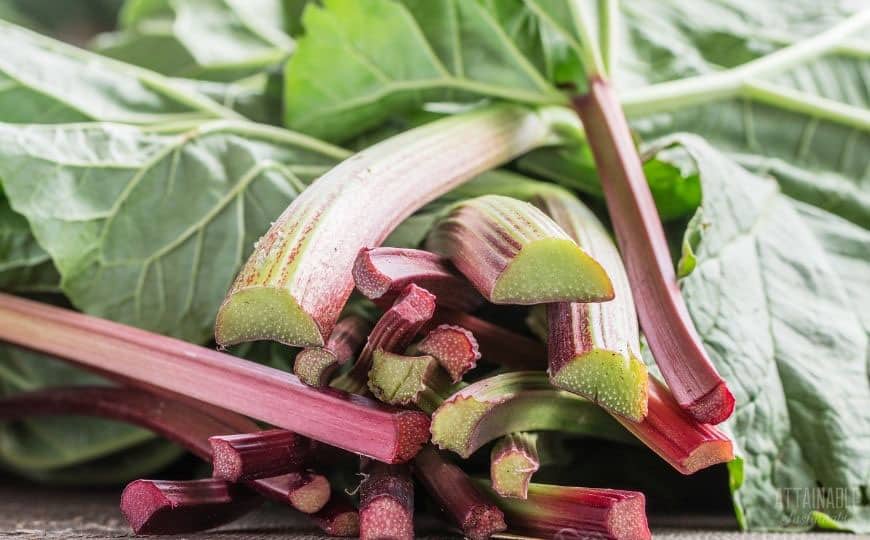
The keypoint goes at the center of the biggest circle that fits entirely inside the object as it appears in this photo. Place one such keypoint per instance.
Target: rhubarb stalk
(178, 507)
(455, 348)
(299, 277)
(514, 254)
(456, 493)
(338, 517)
(393, 332)
(315, 366)
(513, 461)
(386, 502)
(577, 512)
(594, 349)
(353, 423)
(408, 380)
(381, 274)
(248, 456)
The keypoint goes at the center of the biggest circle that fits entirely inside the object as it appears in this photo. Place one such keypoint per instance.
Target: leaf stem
(802, 102)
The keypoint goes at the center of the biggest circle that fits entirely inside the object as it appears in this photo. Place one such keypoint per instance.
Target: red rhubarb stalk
(381, 274)
(513, 461)
(665, 321)
(306, 491)
(471, 510)
(353, 423)
(454, 347)
(249, 456)
(315, 366)
(386, 502)
(178, 507)
(338, 517)
(393, 332)
(577, 512)
(497, 345)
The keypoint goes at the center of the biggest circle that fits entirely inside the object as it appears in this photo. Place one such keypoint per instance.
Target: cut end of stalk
(616, 383)
(455, 348)
(552, 270)
(483, 521)
(226, 461)
(259, 313)
(141, 501)
(398, 379)
(714, 407)
(454, 423)
(314, 366)
(386, 518)
(338, 517)
(311, 494)
(413, 429)
(627, 519)
(511, 474)
(707, 454)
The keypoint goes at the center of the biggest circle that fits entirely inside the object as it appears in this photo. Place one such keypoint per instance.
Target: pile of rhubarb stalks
(410, 393)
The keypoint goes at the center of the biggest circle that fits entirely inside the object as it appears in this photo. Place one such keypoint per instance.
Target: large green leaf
(46, 81)
(24, 265)
(150, 229)
(770, 296)
(221, 40)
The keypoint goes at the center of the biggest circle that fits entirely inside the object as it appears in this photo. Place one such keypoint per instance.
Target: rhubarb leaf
(771, 294)
(150, 229)
(221, 40)
(24, 265)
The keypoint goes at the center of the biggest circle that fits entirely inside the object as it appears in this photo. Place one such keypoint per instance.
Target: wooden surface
(31, 512)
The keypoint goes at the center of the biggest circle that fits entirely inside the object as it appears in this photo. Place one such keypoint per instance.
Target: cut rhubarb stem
(675, 436)
(381, 274)
(249, 456)
(456, 493)
(515, 402)
(675, 344)
(353, 423)
(307, 491)
(338, 517)
(513, 461)
(577, 512)
(594, 349)
(393, 332)
(514, 254)
(298, 278)
(455, 348)
(386, 502)
(408, 380)
(497, 345)
(315, 366)
(178, 507)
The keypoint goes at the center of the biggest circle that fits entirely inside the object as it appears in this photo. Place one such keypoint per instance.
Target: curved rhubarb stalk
(393, 332)
(315, 366)
(298, 278)
(386, 497)
(514, 402)
(577, 512)
(455, 348)
(353, 423)
(675, 344)
(264, 454)
(381, 274)
(475, 514)
(514, 254)
(594, 349)
(513, 461)
(178, 507)
(408, 380)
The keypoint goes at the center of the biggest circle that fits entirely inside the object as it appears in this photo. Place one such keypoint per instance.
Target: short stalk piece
(338, 517)
(454, 347)
(408, 380)
(513, 461)
(381, 274)
(471, 510)
(386, 502)
(594, 349)
(393, 332)
(315, 366)
(514, 254)
(307, 492)
(263, 454)
(497, 345)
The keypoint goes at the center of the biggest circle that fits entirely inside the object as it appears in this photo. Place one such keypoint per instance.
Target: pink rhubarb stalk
(249, 456)
(353, 423)
(386, 502)
(672, 337)
(471, 510)
(454, 347)
(315, 366)
(338, 517)
(513, 461)
(381, 274)
(393, 332)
